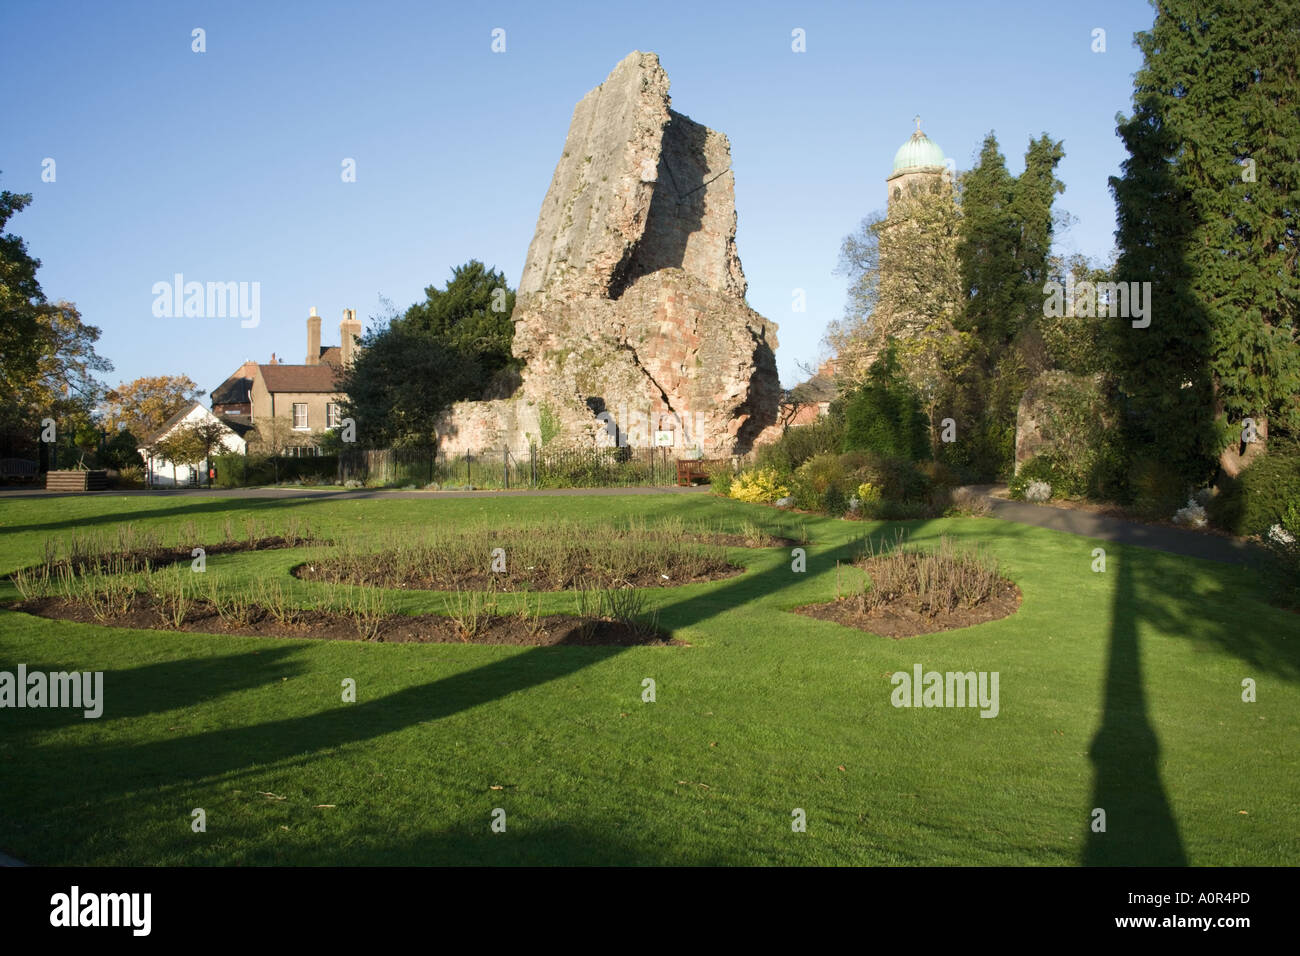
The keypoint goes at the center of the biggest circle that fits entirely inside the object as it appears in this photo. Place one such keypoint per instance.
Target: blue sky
(225, 165)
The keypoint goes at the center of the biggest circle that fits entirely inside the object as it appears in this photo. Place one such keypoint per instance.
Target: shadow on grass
(223, 751)
(166, 685)
(1125, 753)
(198, 507)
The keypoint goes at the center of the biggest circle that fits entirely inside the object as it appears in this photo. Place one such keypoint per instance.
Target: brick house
(307, 396)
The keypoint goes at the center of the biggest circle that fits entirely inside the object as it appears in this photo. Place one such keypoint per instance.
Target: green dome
(919, 150)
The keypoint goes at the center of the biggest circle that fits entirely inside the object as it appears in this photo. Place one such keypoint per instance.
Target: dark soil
(161, 557)
(548, 631)
(740, 541)
(384, 576)
(900, 620)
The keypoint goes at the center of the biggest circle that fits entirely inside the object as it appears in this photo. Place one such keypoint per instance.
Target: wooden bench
(689, 470)
(19, 468)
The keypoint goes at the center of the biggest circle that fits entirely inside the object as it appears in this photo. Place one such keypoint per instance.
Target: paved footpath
(1193, 544)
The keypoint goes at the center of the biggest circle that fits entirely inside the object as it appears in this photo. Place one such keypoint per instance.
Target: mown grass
(1120, 690)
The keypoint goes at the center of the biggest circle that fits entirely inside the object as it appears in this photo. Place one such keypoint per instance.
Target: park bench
(19, 468)
(689, 470)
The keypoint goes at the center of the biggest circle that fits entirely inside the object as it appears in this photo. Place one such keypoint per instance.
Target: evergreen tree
(472, 314)
(453, 346)
(1007, 226)
(1209, 213)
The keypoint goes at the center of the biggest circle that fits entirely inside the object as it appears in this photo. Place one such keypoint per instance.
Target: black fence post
(505, 466)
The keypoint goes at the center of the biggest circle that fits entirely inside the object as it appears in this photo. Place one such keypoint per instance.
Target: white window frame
(304, 427)
(333, 416)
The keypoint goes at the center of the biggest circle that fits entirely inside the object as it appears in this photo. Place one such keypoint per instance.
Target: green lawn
(1120, 690)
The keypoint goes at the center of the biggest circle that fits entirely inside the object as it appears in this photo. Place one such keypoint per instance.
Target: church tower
(918, 164)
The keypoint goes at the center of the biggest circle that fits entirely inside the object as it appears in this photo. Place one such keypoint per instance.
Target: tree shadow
(229, 750)
(205, 506)
(163, 686)
(1125, 754)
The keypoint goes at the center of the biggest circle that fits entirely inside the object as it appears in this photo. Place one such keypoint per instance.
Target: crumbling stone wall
(631, 305)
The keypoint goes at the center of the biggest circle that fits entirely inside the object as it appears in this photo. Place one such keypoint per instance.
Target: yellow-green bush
(759, 485)
(868, 492)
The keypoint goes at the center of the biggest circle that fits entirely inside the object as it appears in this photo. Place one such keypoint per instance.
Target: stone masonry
(631, 314)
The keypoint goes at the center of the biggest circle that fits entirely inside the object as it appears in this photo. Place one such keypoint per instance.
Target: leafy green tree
(1208, 213)
(884, 415)
(47, 355)
(448, 348)
(1007, 228)
(122, 450)
(145, 404)
(987, 249)
(402, 383)
(1075, 343)
(472, 314)
(905, 291)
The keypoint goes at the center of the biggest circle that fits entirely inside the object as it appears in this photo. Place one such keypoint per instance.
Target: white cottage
(161, 473)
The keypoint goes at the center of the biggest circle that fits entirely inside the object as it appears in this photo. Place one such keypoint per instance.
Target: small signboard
(664, 439)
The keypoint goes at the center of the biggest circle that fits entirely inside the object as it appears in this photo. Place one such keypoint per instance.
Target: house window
(332, 416)
(300, 415)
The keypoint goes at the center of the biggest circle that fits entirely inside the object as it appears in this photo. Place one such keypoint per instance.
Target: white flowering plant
(1193, 516)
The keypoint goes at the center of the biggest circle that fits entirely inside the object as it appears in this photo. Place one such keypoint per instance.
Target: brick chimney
(349, 333)
(313, 338)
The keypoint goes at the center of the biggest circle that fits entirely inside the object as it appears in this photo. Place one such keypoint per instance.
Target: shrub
(1282, 571)
(929, 581)
(897, 479)
(939, 474)
(886, 418)
(985, 452)
(1156, 488)
(834, 503)
(1262, 495)
(1038, 491)
(800, 443)
(1075, 415)
(1038, 468)
(967, 502)
(759, 485)
(1193, 515)
(131, 476)
(868, 492)
(721, 478)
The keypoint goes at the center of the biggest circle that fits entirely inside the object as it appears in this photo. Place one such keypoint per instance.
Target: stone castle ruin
(631, 315)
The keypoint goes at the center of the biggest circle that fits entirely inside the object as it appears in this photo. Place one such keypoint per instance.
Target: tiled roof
(331, 355)
(300, 378)
(233, 391)
(171, 423)
(240, 426)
